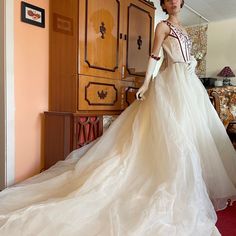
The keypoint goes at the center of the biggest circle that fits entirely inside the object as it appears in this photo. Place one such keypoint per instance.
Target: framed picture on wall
(32, 14)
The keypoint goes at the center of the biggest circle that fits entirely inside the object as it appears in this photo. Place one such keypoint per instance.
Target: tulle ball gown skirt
(155, 172)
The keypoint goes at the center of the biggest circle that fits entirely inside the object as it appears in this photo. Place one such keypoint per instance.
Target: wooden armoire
(99, 51)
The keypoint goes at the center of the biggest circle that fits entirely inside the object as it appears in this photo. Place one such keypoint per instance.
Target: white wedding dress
(155, 172)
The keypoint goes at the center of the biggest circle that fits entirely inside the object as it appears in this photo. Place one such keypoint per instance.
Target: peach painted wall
(31, 49)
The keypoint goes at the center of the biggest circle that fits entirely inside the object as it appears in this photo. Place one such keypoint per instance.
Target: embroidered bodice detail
(177, 45)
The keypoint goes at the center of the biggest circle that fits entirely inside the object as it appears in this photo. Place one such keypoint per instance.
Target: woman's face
(172, 6)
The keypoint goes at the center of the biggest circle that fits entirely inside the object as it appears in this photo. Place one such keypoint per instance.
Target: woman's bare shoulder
(162, 28)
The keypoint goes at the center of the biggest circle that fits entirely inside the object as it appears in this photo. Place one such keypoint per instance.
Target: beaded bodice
(177, 45)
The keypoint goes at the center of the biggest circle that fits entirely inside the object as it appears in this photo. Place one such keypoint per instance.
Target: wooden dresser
(99, 51)
(224, 101)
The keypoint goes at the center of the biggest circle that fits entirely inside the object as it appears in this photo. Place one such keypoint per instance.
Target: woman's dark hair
(162, 2)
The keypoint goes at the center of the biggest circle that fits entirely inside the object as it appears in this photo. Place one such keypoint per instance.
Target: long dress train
(155, 172)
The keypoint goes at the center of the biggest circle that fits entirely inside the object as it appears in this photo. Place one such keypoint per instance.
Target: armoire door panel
(139, 37)
(99, 38)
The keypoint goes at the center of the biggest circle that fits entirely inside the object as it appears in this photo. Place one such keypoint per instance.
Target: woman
(155, 171)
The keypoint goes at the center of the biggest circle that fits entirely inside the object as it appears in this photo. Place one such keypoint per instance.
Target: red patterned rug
(226, 223)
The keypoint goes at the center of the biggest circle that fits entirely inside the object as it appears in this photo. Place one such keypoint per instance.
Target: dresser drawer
(99, 94)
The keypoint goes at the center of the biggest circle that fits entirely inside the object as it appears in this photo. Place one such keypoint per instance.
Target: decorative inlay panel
(101, 94)
(62, 24)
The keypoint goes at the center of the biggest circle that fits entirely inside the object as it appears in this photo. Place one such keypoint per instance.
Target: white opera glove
(141, 91)
(191, 67)
(152, 63)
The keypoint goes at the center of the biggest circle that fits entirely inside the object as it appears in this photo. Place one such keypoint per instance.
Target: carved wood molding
(149, 3)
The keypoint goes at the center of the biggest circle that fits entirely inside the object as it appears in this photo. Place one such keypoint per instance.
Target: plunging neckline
(182, 30)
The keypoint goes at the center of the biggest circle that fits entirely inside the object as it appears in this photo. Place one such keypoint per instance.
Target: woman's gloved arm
(162, 30)
(152, 63)
(192, 65)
